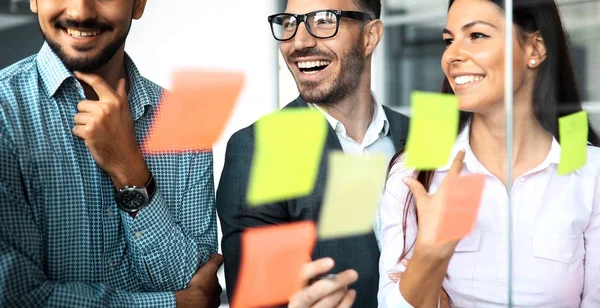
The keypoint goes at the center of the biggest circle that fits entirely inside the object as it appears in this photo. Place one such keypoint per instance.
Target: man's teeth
(460, 80)
(77, 33)
(313, 64)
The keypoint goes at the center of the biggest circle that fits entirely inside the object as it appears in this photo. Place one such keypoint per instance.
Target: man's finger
(82, 118)
(347, 277)
(212, 265)
(78, 131)
(88, 106)
(102, 89)
(416, 188)
(348, 300)
(325, 287)
(315, 268)
(332, 300)
(457, 164)
(121, 88)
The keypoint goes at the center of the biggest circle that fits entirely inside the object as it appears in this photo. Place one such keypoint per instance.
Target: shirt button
(138, 234)
(110, 212)
(111, 264)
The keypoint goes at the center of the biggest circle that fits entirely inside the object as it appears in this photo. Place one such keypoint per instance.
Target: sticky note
(461, 208)
(193, 115)
(272, 258)
(288, 151)
(433, 130)
(573, 132)
(352, 193)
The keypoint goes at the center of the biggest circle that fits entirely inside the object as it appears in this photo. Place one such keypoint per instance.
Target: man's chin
(315, 95)
(85, 58)
(83, 63)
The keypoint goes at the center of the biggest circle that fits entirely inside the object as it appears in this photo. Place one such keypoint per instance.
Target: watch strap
(151, 187)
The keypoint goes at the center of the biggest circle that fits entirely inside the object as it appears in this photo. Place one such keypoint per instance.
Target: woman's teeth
(78, 34)
(460, 80)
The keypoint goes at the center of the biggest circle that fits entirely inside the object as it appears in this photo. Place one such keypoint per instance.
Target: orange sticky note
(193, 116)
(271, 261)
(462, 206)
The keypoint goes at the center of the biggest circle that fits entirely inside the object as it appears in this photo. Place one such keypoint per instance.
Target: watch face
(131, 200)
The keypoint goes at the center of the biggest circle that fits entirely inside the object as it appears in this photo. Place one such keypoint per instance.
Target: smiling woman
(556, 252)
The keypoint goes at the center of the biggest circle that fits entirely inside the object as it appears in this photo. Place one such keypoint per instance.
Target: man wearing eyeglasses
(327, 45)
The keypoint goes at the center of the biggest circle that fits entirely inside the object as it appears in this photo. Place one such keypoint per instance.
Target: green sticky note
(288, 150)
(433, 130)
(352, 193)
(573, 131)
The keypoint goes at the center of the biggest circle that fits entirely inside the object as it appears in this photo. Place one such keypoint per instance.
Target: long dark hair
(555, 93)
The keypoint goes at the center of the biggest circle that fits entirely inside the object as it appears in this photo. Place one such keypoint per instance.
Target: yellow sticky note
(288, 150)
(573, 131)
(433, 130)
(353, 190)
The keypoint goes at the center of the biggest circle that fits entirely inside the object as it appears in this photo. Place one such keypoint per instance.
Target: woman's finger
(416, 188)
(457, 164)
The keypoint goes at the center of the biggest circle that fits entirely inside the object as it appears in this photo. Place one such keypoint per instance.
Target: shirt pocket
(470, 243)
(564, 249)
(557, 264)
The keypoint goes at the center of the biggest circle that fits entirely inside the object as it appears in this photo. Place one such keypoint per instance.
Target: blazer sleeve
(234, 213)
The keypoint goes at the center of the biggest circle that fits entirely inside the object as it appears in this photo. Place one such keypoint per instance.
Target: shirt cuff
(150, 300)
(151, 225)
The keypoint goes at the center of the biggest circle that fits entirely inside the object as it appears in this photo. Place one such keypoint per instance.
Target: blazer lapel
(398, 127)
(332, 142)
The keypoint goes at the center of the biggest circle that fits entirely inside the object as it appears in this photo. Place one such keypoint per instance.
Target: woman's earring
(532, 62)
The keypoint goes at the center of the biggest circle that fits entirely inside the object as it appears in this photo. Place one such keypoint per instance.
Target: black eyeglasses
(322, 24)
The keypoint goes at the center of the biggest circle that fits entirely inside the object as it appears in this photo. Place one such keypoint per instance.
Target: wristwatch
(133, 199)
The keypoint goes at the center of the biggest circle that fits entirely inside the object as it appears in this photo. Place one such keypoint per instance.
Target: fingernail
(328, 262)
(404, 262)
(406, 180)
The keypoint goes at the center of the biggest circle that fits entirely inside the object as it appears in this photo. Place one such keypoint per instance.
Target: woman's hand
(430, 209)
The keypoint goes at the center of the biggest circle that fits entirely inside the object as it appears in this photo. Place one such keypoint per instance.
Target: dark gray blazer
(359, 252)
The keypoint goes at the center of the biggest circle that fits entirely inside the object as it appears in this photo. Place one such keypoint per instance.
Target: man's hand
(444, 298)
(106, 126)
(324, 293)
(204, 290)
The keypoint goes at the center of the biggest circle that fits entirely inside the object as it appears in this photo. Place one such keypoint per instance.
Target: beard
(343, 84)
(86, 64)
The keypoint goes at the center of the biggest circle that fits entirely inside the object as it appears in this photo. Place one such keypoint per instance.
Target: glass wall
(413, 48)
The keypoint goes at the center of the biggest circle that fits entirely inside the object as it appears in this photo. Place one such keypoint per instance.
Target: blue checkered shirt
(63, 242)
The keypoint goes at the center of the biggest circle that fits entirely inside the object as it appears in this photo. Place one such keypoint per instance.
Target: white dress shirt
(377, 140)
(555, 246)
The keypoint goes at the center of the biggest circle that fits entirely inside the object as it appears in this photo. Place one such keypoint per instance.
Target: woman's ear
(538, 49)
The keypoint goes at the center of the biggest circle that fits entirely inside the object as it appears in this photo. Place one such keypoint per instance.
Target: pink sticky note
(462, 205)
(272, 258)
(193, 116)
